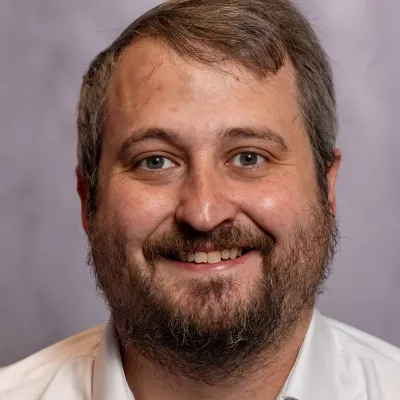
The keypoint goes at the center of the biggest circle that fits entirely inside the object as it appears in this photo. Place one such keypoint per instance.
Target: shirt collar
(312, 377)
(109, 380)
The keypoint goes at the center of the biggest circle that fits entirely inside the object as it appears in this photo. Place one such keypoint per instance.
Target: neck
(149, 382)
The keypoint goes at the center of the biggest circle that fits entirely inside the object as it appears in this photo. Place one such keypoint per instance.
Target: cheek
(136, 211)
(276, 207)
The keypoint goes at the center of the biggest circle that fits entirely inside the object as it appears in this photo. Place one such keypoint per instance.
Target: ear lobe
(331, 179)
(82, 188)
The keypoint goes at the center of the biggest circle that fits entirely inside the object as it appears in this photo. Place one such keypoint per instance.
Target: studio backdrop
(46, 289)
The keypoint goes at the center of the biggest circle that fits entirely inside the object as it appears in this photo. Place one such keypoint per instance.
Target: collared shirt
(336, 362)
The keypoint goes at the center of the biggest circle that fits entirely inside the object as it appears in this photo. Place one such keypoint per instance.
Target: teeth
(233, 253)
(200, 257)
(225, 254)
(211, 257)
(183, 257)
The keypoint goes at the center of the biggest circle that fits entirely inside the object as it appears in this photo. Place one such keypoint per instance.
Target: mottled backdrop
(46, 290)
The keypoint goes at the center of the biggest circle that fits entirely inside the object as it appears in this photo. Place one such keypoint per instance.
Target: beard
(202, 328)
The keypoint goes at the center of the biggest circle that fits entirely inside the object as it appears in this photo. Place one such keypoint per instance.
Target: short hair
(259, 34)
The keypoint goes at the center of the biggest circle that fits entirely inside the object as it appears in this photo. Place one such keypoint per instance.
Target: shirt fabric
(336, 362)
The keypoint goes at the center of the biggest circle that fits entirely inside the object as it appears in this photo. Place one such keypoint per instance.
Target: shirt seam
(30, 380)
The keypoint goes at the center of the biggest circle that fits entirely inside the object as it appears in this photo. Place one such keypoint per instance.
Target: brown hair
(259, 34)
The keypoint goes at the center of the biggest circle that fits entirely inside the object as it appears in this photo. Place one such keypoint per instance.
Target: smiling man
(206, 170)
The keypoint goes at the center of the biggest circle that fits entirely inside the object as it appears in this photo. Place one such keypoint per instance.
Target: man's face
(201, 162)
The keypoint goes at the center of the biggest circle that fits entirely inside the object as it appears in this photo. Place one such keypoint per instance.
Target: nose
(206, 201)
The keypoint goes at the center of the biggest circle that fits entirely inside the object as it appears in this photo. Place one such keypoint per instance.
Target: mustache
(184, 239)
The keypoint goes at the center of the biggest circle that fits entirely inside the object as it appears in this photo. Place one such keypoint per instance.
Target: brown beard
(222, 337)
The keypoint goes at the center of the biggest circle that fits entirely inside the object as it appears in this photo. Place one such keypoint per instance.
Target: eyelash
(136, 164)
(148, 170)
(252, 153)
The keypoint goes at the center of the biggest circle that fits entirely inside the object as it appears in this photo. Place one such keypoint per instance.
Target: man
(206, 170)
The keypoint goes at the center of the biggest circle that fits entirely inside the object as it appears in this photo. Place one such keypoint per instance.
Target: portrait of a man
(207, 170)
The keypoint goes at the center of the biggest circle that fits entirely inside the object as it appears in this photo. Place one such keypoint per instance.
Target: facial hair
(212, 336)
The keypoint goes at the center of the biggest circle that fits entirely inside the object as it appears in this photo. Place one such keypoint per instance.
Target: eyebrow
(165, 135)
(252, 133)
(173, 137)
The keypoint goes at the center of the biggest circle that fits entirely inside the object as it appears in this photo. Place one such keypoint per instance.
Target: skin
(203, 183)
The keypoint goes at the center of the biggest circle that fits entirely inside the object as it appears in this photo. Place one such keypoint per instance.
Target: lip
(205, 267)
(211, 247)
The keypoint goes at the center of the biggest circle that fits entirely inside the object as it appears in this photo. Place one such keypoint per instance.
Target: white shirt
(336, 362)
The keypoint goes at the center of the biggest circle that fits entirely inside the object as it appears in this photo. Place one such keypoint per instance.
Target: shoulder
(365, 357)
(72, 357)
(352, 341)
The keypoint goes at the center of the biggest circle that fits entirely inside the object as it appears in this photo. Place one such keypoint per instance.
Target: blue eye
(156, 162)
(247, 159)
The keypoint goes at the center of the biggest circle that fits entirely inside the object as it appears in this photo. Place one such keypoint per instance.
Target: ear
(331, 179)
(82, 188)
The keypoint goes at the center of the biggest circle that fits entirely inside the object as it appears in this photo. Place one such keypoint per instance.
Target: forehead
(154, 86)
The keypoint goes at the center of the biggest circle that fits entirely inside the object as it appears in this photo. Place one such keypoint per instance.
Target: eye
(248, 159)
(155, 162)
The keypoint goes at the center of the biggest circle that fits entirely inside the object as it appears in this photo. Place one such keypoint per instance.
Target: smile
(212, 260)
(213, 257)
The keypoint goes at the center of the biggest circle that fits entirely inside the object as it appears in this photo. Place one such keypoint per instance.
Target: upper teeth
(211, 257)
